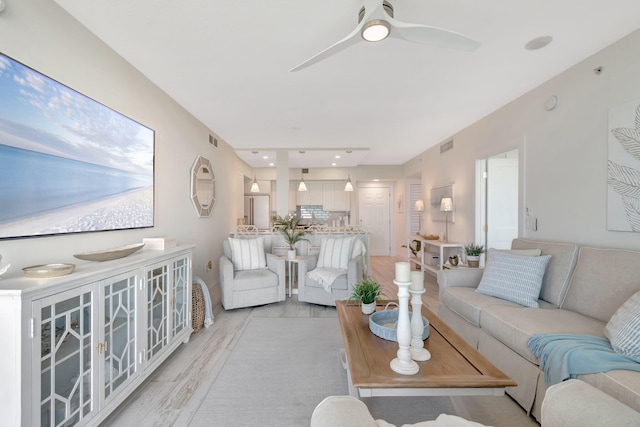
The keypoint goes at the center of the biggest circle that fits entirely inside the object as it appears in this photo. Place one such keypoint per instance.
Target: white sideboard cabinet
(74, 347)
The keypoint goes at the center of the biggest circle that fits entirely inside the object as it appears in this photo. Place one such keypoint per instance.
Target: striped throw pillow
(247, 254)
(335, 252)
(623, 329)
(513, 278)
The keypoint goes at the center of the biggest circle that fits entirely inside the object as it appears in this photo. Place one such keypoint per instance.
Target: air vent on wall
(446, 146)
(305, 170)
(213, 141)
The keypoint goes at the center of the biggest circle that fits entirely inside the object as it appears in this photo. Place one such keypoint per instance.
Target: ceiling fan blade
(349, 40)
(434, 36)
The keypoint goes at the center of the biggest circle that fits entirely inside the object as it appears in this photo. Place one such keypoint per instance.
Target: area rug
(279, 370)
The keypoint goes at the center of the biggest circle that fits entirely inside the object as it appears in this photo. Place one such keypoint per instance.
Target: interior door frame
(480, 202)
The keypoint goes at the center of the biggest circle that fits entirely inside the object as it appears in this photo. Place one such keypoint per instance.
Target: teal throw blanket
(565, 356)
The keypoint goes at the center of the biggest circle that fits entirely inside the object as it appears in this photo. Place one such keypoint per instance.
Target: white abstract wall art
(623, 170)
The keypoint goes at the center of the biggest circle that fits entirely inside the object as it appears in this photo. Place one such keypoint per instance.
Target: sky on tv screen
(68, 163)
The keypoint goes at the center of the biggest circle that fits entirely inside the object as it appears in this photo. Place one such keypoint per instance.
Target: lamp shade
(254, 186)
(348, 186)
(446, 204)
(419, 206)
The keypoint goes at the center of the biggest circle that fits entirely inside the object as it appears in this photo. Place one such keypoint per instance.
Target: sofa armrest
(459, 277)
(344, 411)
(577, 403)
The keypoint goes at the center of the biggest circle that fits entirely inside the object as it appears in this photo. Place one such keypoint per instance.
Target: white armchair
(331, 274)
(248, 275)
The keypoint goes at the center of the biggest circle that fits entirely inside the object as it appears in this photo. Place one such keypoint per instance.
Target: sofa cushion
(556, 279)
(602, 281)
(247, 254)
(335, 252)
(467, 303)
(514, 277)
(515, 326)
(623, 330)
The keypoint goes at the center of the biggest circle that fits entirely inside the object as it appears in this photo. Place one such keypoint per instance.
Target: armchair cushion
(335, 252)
(247, 254)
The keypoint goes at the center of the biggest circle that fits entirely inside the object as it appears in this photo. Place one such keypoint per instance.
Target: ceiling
(227, 62)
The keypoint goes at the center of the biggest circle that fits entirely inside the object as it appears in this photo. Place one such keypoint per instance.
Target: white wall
(564, 152)
(43, 36)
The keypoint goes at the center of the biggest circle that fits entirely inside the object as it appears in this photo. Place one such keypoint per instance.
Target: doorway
(497, 203)
(374, 204)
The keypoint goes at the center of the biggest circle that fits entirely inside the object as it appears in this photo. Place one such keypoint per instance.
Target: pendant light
(254, 186)
(302, 186)
(348, 186)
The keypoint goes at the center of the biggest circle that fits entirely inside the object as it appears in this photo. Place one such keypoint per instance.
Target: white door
(373, 208)
(501, 195)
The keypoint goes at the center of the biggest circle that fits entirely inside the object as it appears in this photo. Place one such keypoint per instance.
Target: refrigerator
(257, 211)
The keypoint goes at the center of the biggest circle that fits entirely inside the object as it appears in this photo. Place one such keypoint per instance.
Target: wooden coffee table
(455, 368)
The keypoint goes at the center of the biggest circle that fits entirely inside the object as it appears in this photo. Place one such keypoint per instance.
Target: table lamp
(419, 207)
(446, 206)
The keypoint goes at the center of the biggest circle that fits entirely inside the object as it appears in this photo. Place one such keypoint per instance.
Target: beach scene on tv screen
(68, 164)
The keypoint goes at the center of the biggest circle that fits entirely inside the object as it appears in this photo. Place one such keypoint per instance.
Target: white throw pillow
(514, 278)
(335, 252)
(247, 254)
(623, 329)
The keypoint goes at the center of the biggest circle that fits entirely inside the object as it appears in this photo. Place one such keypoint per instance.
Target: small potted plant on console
(473, 253)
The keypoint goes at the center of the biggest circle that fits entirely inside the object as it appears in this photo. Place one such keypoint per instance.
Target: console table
(74, 347)
(433, 247)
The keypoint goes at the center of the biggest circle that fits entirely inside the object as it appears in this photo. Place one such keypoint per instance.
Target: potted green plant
(368, 291)
(473, 252)
(288, 227)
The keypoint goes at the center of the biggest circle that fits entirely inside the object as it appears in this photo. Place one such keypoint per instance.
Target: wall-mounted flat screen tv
(68, 164)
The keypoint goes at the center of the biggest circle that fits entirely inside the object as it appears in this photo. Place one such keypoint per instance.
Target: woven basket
(379, 319)
(197, 308)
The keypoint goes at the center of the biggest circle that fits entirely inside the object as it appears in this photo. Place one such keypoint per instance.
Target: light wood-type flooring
(172, 394)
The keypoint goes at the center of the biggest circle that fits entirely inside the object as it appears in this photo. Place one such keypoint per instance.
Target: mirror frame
(204, 180)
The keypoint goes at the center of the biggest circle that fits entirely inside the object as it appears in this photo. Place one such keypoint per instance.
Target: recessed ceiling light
(337, 156)
(265, 157)
(538, 43)
(271, 164)
(376, 180)
(333, 164)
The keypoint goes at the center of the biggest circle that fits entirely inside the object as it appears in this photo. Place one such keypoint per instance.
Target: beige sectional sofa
(581, 289)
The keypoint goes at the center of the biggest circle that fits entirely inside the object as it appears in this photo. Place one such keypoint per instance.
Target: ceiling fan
(376, 23)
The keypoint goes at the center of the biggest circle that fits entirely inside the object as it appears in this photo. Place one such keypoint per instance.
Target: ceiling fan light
(375, 30)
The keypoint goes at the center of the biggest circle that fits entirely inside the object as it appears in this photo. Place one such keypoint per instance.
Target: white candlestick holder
(418, 352)
(403, 364)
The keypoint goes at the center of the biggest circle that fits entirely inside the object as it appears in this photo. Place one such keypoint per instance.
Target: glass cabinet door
(64, 373)
(157, 279)
(119, 333)
(181, 299)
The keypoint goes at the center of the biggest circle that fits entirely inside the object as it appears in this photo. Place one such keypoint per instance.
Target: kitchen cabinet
(78, 345)
(334, 198)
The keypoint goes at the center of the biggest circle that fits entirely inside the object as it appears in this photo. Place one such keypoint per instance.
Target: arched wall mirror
(203, 186)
